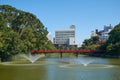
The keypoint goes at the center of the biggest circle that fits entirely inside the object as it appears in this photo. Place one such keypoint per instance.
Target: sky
(86, 15)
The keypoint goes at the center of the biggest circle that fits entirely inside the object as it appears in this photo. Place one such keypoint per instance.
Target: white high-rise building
(65, 36)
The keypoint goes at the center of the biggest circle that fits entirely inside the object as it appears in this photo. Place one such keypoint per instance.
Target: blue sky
(86, 15)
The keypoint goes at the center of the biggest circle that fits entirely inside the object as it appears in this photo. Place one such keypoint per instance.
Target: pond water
(66, 68)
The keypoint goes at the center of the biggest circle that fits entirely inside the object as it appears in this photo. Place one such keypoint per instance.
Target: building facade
(103, 34)
(65, 37)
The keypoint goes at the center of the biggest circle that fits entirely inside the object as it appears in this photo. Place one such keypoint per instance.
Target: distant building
(65, 37)
(93, 33)
(49, 36)
(103, 34)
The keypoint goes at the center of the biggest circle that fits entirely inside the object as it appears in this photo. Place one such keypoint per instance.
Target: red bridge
(67, 51)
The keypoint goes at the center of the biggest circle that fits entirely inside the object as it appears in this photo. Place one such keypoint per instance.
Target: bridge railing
(67, 51)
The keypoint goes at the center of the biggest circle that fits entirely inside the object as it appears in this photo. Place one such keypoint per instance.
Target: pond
(66, 68)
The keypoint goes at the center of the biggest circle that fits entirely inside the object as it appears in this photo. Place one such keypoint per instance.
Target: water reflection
(71, 69)
(22, 73)
(55, 68)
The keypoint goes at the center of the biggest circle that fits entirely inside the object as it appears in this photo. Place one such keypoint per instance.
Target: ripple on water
(86, 67)
(18, 63)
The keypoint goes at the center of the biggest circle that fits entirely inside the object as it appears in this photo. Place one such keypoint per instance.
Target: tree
(113, 43)
(91, 43)
(20, 32)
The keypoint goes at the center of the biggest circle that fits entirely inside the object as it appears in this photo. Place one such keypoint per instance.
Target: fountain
(83, 64)
(86, 62)
(32, 58)
(22, 60)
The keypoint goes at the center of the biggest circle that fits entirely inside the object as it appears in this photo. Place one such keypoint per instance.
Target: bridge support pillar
(61, 55)
(45, 54)
(76, 54)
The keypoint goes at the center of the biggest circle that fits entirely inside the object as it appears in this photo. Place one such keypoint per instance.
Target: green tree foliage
(21, 32)
(113, 43)
(91, 43)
